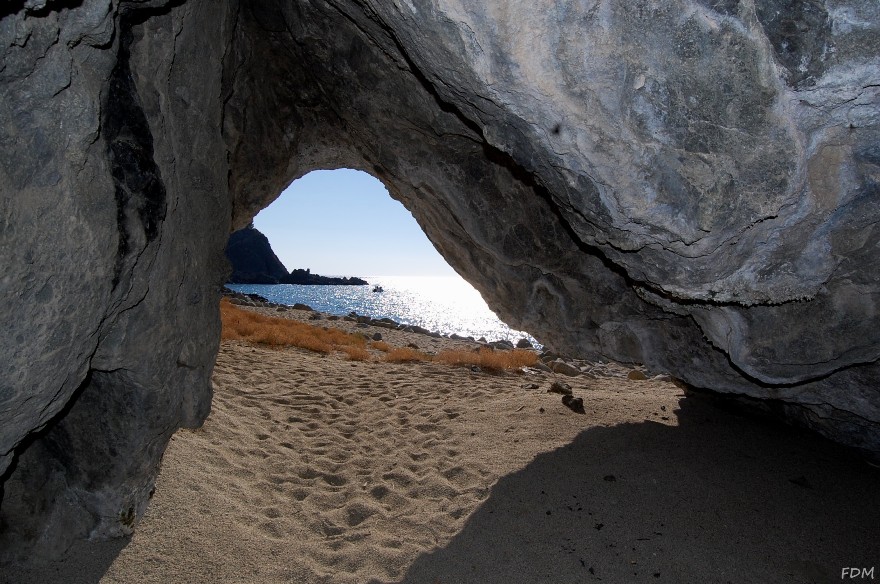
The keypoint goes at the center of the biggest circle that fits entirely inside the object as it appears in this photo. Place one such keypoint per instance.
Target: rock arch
(689, 185)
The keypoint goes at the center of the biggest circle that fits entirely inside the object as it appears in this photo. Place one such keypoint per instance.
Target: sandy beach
(318, 469)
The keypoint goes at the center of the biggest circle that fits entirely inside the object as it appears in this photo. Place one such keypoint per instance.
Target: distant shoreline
(302, 278)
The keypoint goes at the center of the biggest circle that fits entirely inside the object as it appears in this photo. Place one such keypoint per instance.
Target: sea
(438, 303)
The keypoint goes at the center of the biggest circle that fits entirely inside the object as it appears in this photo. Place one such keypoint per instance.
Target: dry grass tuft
(488, 359)
(405, 355)
(251, 326)
(381, 346)
(356, 353)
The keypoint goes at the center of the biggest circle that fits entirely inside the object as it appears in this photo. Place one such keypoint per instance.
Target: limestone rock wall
(111, 159)
(687, 184)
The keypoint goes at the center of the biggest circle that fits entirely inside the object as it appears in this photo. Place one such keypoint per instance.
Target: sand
(316, 469)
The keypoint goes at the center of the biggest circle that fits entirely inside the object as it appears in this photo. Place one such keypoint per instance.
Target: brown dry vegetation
(405, 355)
(246, 325)
(279, 332)
(489, 359)
(381, 346)
(356, 353)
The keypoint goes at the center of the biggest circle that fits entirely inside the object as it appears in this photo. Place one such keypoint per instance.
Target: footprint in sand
(379, 492)
(299, 494)
(335, 480)
(357, 513)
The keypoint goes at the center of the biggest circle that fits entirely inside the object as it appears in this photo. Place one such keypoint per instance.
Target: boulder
(563, 368)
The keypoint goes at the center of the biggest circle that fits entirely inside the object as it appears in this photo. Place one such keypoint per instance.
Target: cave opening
(344, 222)
(330, 227)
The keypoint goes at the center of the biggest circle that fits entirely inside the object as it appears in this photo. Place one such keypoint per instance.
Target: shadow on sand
(718, 498)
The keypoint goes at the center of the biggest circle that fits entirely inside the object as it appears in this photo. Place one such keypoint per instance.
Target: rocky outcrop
(254, 262)
(690, 185)
(307, 278)
(252, 258)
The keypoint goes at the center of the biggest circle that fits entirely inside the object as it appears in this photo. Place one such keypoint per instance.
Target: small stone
(636, 375)
(563, 368)
(541, 367)
(523, 344)
(412, 345)
(377, 336)
(299, 306)
(315, 316)
(560, 387)
(639, 81)
(610, 478)
(502, 344)
(531, 386)
(575, 404)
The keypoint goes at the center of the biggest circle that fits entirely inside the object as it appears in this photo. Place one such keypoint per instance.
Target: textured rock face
(111, 273)
(692, 185)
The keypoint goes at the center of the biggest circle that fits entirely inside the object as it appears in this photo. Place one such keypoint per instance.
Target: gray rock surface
(111, 159)
(252, 258)
(689, 185)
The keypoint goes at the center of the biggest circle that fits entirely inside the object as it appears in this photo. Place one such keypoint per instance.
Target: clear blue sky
(344, 223)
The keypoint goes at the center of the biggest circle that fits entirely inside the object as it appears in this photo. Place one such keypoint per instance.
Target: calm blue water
(444, 304)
